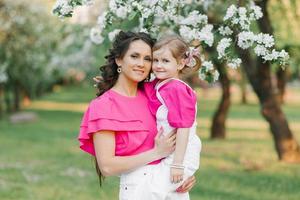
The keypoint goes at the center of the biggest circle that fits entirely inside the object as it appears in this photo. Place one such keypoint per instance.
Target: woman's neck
(126, 87)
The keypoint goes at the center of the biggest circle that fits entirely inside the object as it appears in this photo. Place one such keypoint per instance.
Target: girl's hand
(97, 79)
(187, 185)
(165, 145)
(176, 175)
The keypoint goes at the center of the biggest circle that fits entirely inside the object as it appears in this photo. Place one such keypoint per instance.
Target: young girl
(173, 103)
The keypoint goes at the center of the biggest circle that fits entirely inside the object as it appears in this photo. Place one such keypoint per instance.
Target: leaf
(132, 15)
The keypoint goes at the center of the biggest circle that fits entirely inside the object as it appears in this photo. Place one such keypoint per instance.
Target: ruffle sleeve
(180, 99)
(104, 113)
(150, 91)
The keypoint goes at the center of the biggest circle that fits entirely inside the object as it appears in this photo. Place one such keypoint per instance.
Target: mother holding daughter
(120, 127)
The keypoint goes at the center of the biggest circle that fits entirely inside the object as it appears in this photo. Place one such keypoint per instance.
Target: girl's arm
(182, 138)
(110, 165)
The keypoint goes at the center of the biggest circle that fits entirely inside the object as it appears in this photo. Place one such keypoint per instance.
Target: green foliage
(38, 51)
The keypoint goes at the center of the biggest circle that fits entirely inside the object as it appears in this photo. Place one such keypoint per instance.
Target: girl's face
(165, 65)
(136, 63)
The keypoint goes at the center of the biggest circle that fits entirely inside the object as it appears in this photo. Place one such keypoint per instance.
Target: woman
(118, 128)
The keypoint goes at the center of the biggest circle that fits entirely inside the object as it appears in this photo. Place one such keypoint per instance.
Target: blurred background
(250, 150)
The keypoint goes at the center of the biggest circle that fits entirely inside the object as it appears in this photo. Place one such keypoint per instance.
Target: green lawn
(41, 160)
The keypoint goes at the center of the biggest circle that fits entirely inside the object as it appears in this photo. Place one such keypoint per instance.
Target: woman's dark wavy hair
(109, 74)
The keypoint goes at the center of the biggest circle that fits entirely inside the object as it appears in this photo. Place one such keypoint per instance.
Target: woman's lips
(139, 71)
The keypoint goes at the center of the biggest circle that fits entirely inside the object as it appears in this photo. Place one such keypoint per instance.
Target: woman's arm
(110, 165)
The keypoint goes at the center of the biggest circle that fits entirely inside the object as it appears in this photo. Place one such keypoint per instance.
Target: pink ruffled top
(128, 117)
(180, 99)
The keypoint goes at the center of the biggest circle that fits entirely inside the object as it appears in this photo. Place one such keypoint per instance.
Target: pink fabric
(180, 100)
(128, 117)
(153, 102)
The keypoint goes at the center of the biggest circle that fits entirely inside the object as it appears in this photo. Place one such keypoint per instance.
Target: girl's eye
(155, 60)
(134, 56)
(165, 60)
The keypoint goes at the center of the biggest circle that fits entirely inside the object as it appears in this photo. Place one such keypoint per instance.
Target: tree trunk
(7, 99)
(218, 123)
(281, 75)
(243, 87)
(17, 97)
(286, 145)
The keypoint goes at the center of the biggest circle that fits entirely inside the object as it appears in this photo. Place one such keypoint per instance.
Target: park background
(46, 70)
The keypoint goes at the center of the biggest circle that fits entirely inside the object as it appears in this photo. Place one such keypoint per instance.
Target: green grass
(41, 160)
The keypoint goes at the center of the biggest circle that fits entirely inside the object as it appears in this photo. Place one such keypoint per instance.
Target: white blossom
(208, 65)
(96, 36)
(158, 17)
(122, 12)
(187, 33)
(202, 76)
(222, 46)
(146, 13)
(66, 9)
(225, 30)
(113, 34)
(242, 12)
(231, 11)
(113, 5)
(260, 50)
(266, 39)
(256, 12)
(284, 54)
(101, 21)
(194, 18)
(234, 63)
(150, 3)
(216, 75)
(143, 30)
(245, 39)
(205, 35)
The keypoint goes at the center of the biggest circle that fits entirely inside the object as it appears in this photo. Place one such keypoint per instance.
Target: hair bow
(190, 54)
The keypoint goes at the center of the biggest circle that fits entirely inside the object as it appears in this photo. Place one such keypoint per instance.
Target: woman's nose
(141, 63)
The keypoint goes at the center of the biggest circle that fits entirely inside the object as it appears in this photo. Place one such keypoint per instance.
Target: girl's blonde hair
(179, 49)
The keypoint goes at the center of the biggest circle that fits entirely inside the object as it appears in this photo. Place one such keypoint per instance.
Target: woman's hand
(165, 145)
(187, 185)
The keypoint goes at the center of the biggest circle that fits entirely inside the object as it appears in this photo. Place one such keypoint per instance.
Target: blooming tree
(38, 51)
(190, 22)
(231, 34)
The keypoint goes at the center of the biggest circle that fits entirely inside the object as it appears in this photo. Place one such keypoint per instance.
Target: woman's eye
(148, 59)
(134, 56)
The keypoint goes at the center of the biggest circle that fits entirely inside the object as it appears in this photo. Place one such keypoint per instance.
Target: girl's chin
(161, 77)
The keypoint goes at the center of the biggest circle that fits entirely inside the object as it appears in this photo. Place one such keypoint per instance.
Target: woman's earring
(119, 70)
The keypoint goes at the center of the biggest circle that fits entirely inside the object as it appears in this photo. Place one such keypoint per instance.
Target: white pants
(133, 182)
(150, 182)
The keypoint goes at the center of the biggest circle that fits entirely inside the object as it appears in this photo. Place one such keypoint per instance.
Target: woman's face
(137, 61)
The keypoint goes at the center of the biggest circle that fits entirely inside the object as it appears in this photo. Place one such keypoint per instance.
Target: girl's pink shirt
(179, 98)
(129, 117)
